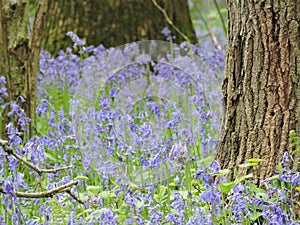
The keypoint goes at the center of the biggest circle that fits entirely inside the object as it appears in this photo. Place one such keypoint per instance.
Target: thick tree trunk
(19, 57)
(261, 85)
(114, 23)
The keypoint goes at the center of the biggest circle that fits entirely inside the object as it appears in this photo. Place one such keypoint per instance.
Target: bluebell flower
(13, 135)
(8, 185)
(3, 91)
(286, 159)
(178, 203)
(113, 92)
(179, 152)
(295, 180)
(76, 40)
(42, 108)
(171, 217)
(211, 195)
(207, 178)
(14, 110)
(2, 80)
(214, 167)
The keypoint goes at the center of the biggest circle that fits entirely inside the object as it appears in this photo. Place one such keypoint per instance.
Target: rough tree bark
(261, 85)
(20, 56)
(114, 23)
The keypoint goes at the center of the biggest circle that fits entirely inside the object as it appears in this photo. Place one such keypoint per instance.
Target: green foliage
(209, 17)
(294, 142)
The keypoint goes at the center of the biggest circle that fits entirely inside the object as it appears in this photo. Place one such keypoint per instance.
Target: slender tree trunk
(261, 85)
(19, 57)
(114, 23)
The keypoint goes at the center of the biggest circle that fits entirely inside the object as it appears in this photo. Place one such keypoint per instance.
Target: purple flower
(211, 195)
(214, 167)
(42, 108)
(295, 180)
(2, 80)
(3, 91)
(172, 218)
(156, 216)
(179, 152)
(286, 159)
(113, 93)
(13, 135)
(178, 203)
(77, 41)
(107, 216)
(8, 185)
(14, 110)
(166, 32)
(204, 176)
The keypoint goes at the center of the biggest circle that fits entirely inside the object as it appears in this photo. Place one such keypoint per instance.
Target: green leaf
(162, 195)
(223, 172)
(255, 189)
(296, 151)
(172, 184)
(245, 165)
(254, 160)
(162, 191)
(93, 190)
(274, 177)
(82, 177)
(88, 211)
(206, 160)
(48, 156)
(184, 194)
(255, 215)
(106, 194)
(245, 177)
(279, 168)
(226, 187)
(133, 186)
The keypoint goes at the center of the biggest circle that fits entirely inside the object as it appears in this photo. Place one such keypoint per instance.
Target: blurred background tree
(20, 57)
(117, 22)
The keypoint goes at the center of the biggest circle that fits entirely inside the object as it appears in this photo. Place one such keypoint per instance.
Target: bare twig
(221, 17)
(43, 194)
(211, 34)
(10, 151)
(170, 21)
(74, 196)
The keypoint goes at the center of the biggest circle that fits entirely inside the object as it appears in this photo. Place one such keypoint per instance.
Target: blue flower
(214, 167)
(211, 195)
(77, 41)
(42, 108)
(204, 176)
(166, 32)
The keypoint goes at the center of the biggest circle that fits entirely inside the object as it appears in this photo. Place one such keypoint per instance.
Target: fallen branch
(10, 151)
(74, 196)
(43, 194)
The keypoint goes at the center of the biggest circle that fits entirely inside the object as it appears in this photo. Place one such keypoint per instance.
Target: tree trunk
(261, 86)
(19, 57)
(114, 23)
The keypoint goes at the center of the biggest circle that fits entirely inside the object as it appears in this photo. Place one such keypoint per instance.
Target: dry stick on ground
(170, 21)
(44, 194)
(10, 151)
